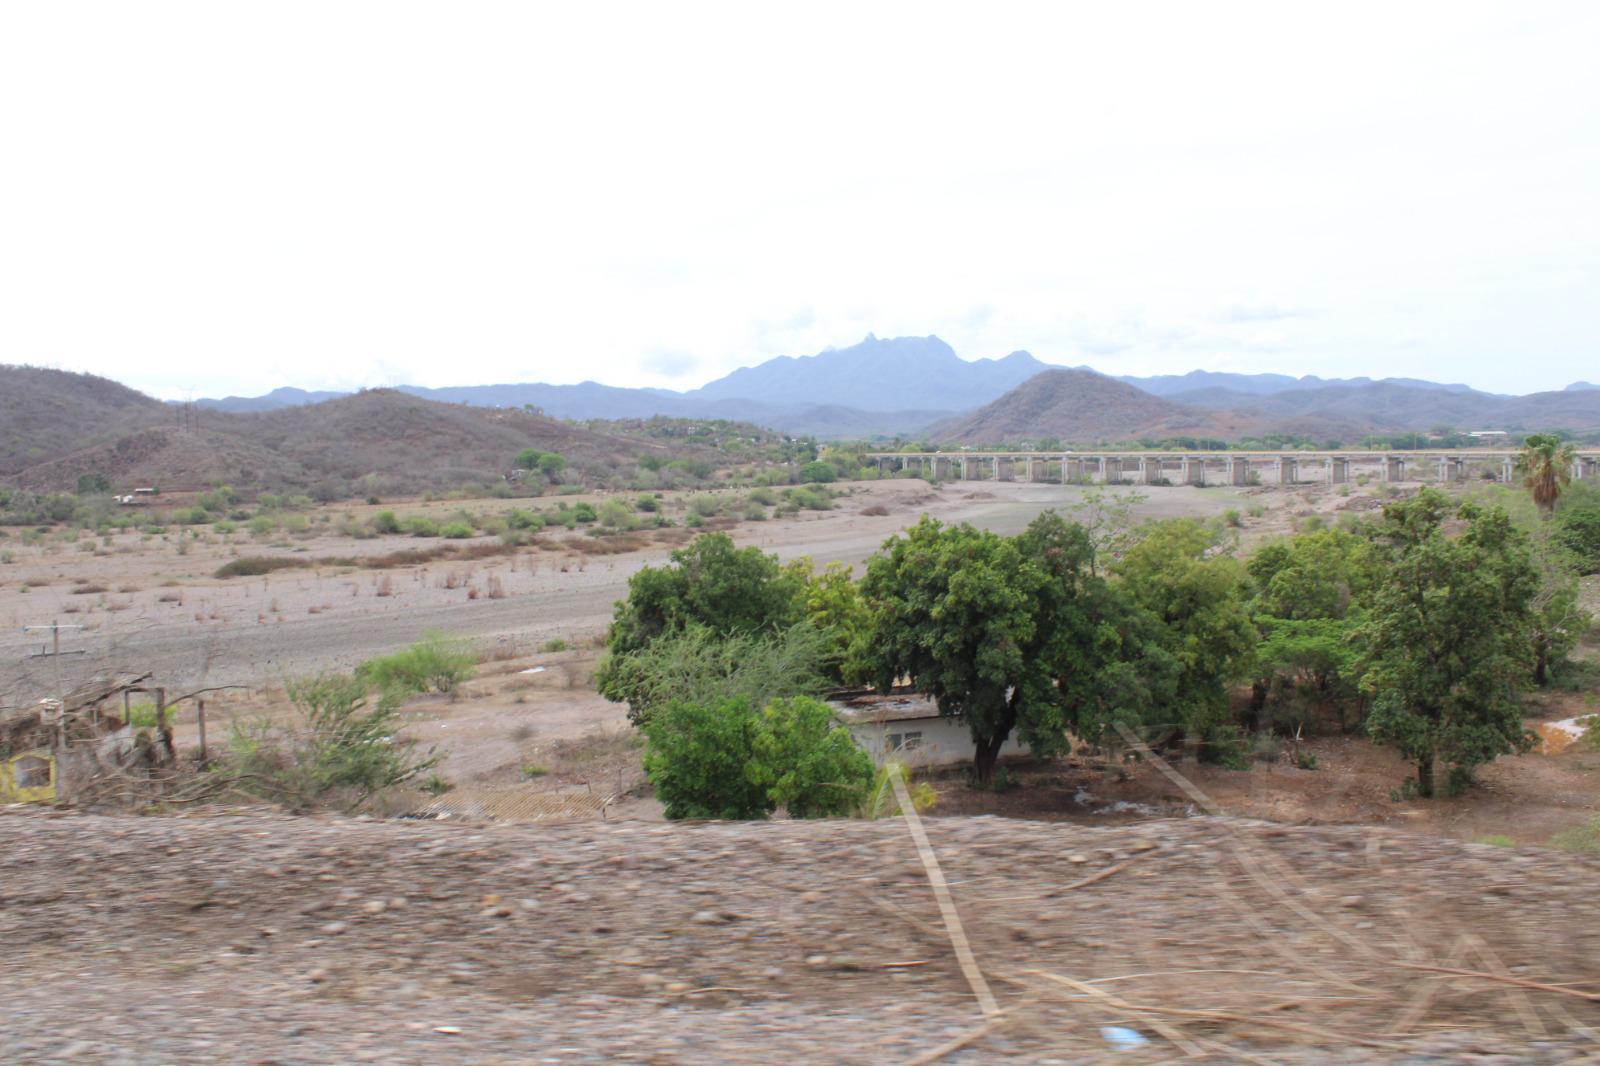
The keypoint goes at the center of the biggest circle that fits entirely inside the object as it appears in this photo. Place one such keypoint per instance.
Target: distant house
(908, 727)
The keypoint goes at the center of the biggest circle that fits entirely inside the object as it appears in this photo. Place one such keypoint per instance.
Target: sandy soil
(271, 939)
(152, 605)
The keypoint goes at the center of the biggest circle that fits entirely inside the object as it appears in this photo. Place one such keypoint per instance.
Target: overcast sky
(216, 197)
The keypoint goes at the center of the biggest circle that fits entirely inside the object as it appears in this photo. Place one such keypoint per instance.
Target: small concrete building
(908, 727)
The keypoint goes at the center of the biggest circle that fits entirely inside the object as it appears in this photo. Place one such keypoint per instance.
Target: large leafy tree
(1546, 468)
(1446, 642)
(954, 612)
(1015, 634)
(1309, 595)
(1198, 596)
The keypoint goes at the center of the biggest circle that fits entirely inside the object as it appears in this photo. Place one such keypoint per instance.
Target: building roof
(859, 708)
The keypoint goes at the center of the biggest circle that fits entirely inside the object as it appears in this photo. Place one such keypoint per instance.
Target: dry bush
(618, 545)
(876, 509)
(257, 565)
(496, 587)
(385, 586)
(88, 590)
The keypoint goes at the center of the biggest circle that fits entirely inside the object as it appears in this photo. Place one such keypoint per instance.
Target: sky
(209, 198)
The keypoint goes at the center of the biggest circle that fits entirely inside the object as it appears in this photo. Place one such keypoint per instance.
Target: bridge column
(1394, 468)
(1071, 470)
(1288, 471)
(1338, 470)
(1150, 469)
(1110, 470)
(1507, 468)
(1194, 471)
(1004, 469)
(1038, 469)
(1238, 471)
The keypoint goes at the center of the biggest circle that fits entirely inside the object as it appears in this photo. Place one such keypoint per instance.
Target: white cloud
(232, 198)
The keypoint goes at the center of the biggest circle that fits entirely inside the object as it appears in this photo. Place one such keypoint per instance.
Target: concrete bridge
(1218, 468)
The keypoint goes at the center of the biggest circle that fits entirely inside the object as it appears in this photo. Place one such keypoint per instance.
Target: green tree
(954, 608)
(696, 664)
(1446, 643)
(1309, 592)
(527, 459)
(1016, 635)
(551, 464)
(1546, 468)
(721, 759)
(89, 484)
(834, 605)
(709, 583)
(807, 762)
(699, 759)
(1199, 599)
(818, 472)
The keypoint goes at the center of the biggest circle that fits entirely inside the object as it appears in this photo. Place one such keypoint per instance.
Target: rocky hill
(47, 413)
(60, 426)
(1079, 406)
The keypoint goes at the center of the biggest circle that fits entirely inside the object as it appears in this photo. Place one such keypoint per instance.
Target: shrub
(648, 503)
(764, 496)
(343, 749)
(617, 515)
(699, 756)
(456, 531)
(720, 759)
(556, 644)
(256, 565)
(807, 762)
(698, 664)
(584, 512)
(705, 505)
(435, 662)
(385, 522)
(520, 519)
(1231, 518)
(818, 472)
(421, 526)
(810, 498)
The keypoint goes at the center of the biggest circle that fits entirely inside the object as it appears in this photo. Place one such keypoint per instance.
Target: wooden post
(162, 730)
(200, 709)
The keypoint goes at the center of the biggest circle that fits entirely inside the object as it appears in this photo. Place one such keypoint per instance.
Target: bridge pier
(1394, 468)
(1194, 471)
(1150, 470)
(1238, 471)
(1338, 470)
(1288, 471)
(1004, 469)
(1110, 471)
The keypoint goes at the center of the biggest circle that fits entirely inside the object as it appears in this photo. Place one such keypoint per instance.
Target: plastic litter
(1121, 1038)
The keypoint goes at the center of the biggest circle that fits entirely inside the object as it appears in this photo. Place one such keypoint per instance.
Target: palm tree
(1546, 468)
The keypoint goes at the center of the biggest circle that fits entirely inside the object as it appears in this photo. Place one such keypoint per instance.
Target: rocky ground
(254, 937)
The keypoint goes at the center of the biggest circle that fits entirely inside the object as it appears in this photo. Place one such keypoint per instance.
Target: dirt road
(156, 610)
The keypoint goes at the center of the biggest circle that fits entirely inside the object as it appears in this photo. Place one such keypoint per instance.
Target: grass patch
(435, 662)
(1584, 839)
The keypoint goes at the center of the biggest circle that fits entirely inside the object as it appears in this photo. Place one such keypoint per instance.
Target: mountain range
(905, 386)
